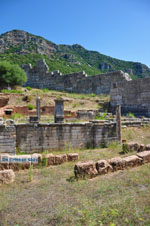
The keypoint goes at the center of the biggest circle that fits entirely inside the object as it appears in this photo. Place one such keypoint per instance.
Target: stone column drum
(59, 111)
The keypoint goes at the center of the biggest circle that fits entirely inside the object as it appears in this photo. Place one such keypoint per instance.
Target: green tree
(11, 74)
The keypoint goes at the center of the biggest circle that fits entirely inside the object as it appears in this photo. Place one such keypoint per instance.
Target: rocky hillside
(20, 47)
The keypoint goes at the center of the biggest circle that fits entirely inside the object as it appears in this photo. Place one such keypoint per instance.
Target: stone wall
(7, 139)
(40, 77)
(30, 138)
(133, 96)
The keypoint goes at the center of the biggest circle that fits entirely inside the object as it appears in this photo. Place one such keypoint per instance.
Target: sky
(116, 28)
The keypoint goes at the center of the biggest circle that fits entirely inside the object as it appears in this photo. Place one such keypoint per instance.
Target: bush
(11, 91)
(11, 74)
(30, 107)
(28, 88)
(45, 90)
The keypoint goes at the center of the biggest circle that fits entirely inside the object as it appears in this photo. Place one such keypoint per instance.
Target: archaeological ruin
(133, 96)
(78, 82)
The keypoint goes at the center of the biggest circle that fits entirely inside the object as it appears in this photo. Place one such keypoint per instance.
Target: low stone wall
(40, 137)
(92, 169)
(7, 139)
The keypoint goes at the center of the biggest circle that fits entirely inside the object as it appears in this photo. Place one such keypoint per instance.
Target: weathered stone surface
(141, 148)
(72, 156)
(145, 156)
(39, 156)
(59, 159)
(103, 167)
(49, 159)
(132, 146)
(147, 147)
(133, 96)
(117, 163)
(85, 169)
(132, 161)
(7, 176)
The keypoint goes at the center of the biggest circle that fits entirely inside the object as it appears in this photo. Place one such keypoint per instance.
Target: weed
(30, 107)
(28, 88)
(31, 173)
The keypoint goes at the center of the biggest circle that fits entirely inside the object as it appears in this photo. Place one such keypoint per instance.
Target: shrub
(30, 107)
(131, 115)
(45, 90)
(28, 88)
(11, 74)
(11, 91)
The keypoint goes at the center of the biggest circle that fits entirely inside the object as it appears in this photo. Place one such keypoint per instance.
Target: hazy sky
(117, 28)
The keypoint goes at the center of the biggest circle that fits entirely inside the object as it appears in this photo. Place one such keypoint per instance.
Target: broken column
(38, 108)
(59, 111)
(118, 123)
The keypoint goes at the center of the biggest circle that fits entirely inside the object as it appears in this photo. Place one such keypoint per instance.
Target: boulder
(73, 156)
(117, 163)
(103, 167)
(132, 161)
(7, 176)
(142, 148)
(59, 159)
(145, 156)
(85, 169)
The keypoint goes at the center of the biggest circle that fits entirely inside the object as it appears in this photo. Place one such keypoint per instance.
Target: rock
(141, 148)
(103, 167)
(117, 163)
(85, 169)
(132, 161)
(48, 159)
(145, 156)
(59, 159)
(147, 147)
(39, 156)
(7, 176)
(73, 156)
(132, 146)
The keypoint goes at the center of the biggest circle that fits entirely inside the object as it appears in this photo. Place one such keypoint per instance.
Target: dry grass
(53, 197)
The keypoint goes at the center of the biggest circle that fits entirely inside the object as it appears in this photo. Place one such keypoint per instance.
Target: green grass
(53, 197)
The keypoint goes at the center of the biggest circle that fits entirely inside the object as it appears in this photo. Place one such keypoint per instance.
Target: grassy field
(54, 197)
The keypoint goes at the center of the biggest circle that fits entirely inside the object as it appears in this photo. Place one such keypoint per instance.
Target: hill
(21, 47)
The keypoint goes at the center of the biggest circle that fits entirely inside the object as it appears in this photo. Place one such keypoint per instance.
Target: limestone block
(132, 161)
(48, 159)
(103, 167)
(7, 176)
(59, 159)
(85, 169)
(132, 146)
(145, 155)
(117, 163)
(73, 156)
(38, 156)
(147, 147)
(141, 148)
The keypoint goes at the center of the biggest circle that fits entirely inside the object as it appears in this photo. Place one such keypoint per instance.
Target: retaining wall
(7, 139)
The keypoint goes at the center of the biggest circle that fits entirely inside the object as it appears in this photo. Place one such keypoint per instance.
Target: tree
(11, 74)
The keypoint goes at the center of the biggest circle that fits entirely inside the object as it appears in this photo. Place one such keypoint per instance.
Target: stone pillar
(59, 111)
(38, 108)
(118, 122)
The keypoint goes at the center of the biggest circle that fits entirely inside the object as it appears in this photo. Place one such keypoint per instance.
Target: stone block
(145, 156)
(141, 148)
(59, 159)
(117, 163)
(7, 176)
(85, 169)
(103, 167)
(73, 156)
(48, 159)
(147, 147)
(132, 146)
(132, 161)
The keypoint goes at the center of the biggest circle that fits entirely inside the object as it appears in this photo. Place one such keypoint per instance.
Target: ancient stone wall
(39, 77)
(30, 138)
(133, 96)
(7, 139)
